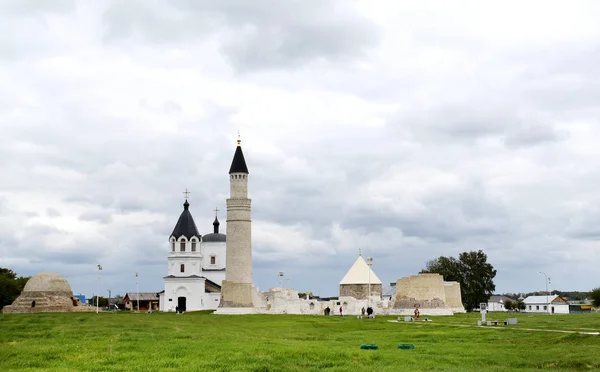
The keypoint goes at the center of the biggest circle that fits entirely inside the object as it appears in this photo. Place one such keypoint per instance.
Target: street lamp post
(137, 288)
(369, 263)
(546, 281)
(98, 288)
(109, 299)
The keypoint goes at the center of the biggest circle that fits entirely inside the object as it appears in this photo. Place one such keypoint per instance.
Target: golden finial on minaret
(239, 140)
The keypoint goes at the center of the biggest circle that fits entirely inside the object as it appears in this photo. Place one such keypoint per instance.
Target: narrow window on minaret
(193, 246)
(182, 268)
(173, 246)
(213, 260)
(182, 246)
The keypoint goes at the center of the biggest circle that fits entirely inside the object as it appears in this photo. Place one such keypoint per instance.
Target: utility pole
(137, 288)
(98, 288)
(109, 308)
(546, 281)
(369, 263)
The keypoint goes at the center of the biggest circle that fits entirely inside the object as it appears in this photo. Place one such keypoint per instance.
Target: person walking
(341, 311)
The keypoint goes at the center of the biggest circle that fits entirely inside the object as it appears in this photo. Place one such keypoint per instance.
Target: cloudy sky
(406, 130)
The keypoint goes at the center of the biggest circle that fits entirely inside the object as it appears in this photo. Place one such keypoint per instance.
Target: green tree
(595, 296)
(508, 304)
(472, 271)
(11, 286)
(448, 267)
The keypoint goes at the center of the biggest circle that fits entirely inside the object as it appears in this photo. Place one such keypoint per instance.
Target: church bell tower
(236, 289)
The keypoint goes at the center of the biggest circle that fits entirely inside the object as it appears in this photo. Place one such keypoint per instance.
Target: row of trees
(11, 286)
(472, 271)
(572, 295)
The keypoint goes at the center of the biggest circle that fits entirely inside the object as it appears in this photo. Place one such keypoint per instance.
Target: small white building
(552, 304)
(496, 303)
(196, 267)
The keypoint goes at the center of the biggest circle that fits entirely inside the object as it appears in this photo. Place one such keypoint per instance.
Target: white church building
(196, 266)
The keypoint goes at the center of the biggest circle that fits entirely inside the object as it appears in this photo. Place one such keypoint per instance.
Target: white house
(496, 303)
(552, 304)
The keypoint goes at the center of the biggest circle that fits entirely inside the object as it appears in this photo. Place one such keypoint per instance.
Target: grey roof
(143, 296)
(213, 269)
(209, 238)
(543, 299)
(389, 290)
(238, 165)
(183, 277)
(185, 225)
(499, 299)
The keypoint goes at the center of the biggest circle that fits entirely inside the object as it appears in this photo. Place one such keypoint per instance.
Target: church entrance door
(181, 303)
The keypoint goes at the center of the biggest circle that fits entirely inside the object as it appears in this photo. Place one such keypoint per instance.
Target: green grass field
(205, 342)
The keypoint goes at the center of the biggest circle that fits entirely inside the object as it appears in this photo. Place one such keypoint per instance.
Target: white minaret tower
(236, 289)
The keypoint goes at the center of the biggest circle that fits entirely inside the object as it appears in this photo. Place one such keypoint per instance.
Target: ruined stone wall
(360, 291)
(423, 290)
(453, 296)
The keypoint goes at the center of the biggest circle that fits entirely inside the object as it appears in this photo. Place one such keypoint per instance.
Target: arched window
(173, 245)
(182, 245)
(213, 259)
(193, 245)
(182, 268)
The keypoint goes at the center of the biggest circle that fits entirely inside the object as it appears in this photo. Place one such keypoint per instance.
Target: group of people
(369, 311)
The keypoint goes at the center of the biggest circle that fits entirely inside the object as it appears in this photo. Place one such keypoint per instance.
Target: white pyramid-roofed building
(359, 281)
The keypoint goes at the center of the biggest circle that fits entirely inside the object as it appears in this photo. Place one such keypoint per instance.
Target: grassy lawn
(205, 342)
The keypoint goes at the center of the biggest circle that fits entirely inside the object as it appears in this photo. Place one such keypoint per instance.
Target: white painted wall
(539, 308)
(193, 289)
(216, 249)
(496, 306)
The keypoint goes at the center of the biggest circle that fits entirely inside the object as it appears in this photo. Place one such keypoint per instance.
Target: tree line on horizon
(11, 286)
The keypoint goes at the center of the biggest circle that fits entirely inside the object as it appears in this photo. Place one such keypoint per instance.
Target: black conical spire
(185, 225)
(238, 165)
(216, 225)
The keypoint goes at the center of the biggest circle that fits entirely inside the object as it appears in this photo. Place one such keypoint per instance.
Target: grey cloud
(51, 212)
(34, 8)
(101, 217)
(584, 223)
(527, 136)
(263, 34)
(171, 107)
(464, 123)
(70, 257)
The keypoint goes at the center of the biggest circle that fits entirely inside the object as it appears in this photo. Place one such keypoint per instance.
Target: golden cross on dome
(216, 211)
(186, 194)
